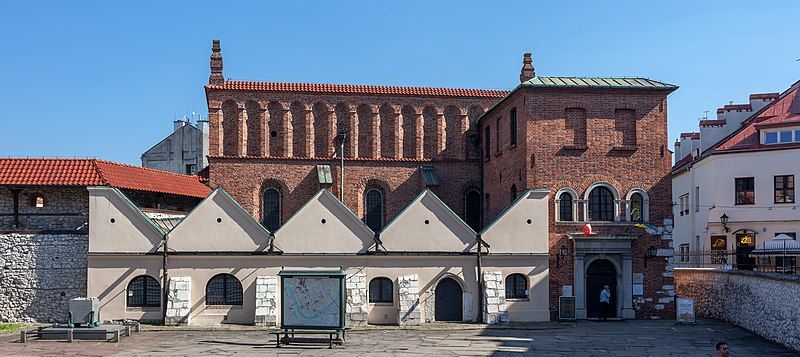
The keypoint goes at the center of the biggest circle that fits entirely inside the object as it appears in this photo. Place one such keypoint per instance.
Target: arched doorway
(600, 272)
(449, 301)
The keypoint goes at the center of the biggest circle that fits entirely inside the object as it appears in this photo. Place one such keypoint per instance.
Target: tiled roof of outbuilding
(93, 172)
(357, 89)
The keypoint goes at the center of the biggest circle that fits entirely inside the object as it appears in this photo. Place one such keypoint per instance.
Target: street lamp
(563, 252)
(724, 220)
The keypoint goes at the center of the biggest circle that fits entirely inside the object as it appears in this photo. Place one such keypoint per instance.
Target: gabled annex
(428, 225)
(522, 227)
(218, 224)
(116, 225)
(324, 225)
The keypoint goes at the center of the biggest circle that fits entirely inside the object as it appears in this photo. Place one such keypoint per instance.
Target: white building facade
(739, 192)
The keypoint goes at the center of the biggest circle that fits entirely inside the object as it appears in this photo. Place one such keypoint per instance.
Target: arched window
(224, 289)
(373, 209)
(565, 207)
(516, 286)
(380, 290)
(601, 204)
(271, 203)
(472, 209)
(144, 291)
(513, 193)
(637, 207)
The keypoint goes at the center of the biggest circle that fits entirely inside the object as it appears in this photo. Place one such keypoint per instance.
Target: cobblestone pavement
(616, 338)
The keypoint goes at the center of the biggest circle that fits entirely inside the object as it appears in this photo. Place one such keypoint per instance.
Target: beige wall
(341, 232)
(523, 228)
(130, 230)
(218, 224)
(109, 277)
(444, 232)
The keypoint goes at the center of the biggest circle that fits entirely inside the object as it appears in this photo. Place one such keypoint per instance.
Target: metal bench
(289, 336)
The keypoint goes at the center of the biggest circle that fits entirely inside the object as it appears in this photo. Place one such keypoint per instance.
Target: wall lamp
(724, 220)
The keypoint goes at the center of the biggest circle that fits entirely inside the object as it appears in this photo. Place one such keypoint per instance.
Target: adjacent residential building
(734, 182)
(185, 151)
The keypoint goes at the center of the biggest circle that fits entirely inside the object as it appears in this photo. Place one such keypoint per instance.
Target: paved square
(585, 338)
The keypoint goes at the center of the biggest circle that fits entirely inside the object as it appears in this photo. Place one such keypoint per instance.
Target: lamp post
(652, 252)
(724, 220)
(562, 252)
(341, 137)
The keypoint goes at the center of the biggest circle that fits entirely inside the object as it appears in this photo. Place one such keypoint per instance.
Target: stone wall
(64, 209)
(408, 294)
(266, 301)
(357, 304)
(765, 303)
(179, 301)
(495, 310)
(39, 274)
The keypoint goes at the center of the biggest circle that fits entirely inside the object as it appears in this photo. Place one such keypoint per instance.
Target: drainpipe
(165, 282)
(480, 279)
(342, 137)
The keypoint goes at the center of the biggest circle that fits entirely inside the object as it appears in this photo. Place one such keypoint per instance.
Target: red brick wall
(245, 178)
(548, 156)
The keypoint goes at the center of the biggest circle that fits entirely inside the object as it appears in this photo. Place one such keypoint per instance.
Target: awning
(780, 245)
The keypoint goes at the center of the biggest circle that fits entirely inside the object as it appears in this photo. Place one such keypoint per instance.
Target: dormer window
(784, 136)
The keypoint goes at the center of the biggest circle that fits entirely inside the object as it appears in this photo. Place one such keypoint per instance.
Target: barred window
(516, 286)
(601, 204)
(224, 289)
(271, 209)
(380, 290)
(144, 291)
(565, 207)
(373, 209)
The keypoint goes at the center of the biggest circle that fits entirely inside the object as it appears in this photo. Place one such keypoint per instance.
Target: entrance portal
(449, 301)
(600, 272)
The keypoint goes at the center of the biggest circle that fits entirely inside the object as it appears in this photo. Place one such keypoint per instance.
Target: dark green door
(449, 301)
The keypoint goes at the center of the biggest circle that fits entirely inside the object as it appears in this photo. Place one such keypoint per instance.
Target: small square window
(786, 136)
(771, 138)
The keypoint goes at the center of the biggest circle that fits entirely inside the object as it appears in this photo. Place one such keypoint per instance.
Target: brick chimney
(527, 72)
(216, 65)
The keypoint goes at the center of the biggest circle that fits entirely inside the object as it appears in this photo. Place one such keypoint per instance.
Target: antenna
(705, 114)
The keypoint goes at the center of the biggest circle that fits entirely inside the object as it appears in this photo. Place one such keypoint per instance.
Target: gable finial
(216, 64)
(528, 72)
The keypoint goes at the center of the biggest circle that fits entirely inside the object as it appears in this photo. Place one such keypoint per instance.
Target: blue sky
(105, 79)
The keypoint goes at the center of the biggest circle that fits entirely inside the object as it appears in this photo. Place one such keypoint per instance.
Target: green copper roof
(599, 82)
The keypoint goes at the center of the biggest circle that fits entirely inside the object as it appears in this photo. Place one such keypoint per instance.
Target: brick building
(599, 145)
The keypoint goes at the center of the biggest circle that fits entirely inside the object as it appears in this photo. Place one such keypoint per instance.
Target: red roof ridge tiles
(764, 95)
(95, 172)
(713, 122)
(737, 107)
(358, 89)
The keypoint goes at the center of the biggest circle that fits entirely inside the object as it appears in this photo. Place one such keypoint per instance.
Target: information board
(566, 308)
(684, 309)
(312, 300)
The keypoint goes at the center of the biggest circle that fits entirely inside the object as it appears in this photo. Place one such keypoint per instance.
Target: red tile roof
(357, 89)
(712, 122)
(93, 172)
(764, 96)
(691, 135)
(784, 111)
(738, 107)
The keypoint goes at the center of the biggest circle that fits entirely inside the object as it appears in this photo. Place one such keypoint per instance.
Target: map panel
(311, 302)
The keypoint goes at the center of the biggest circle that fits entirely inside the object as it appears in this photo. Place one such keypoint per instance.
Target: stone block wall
(266, 301)
(357, 304)
(39, 274)
(495, 309)
(408, 293)
(65, 209)
(179, 301)
(765, 303)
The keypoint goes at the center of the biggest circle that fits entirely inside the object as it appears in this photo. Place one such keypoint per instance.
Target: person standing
(605, 302)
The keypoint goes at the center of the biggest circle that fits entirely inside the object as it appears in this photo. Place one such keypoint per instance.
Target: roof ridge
(364, 85)
(99, 172)
(145, 168)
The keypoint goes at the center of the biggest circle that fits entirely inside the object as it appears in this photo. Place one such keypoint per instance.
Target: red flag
(587, 229)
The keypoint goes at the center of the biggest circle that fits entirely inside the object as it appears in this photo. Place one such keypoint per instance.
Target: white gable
(428, 225)
(116, 225)
(324, 225)
(522, 227)
(218, 224)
